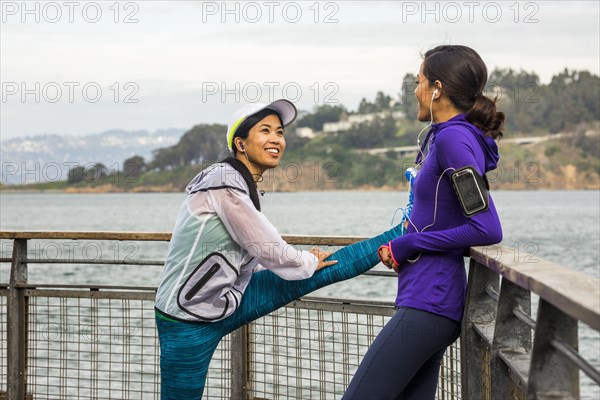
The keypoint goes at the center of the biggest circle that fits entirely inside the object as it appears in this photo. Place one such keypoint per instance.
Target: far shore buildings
(346, 123)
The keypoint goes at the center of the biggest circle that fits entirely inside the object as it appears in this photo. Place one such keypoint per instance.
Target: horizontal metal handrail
(101, 261)
(573, 355)
(164, 237)
(492, 293)
(572, 292)
(95, 261)
(524, 317)
(84, 286)
(87, 235)
(154, 236)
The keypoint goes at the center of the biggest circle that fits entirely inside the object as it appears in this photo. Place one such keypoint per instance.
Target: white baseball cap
(284, 108)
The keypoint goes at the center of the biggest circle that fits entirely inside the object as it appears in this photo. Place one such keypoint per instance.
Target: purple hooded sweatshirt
(437, 281)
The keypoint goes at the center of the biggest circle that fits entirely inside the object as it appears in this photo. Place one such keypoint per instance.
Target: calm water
(560, 226)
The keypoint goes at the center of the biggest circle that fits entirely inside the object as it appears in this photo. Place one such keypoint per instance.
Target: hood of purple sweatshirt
(489, 145)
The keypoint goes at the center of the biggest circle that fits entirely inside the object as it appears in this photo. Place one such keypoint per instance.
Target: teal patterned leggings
(187, 348)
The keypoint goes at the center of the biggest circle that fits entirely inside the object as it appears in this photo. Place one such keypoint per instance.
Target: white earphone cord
(424, 156)
(437, 187)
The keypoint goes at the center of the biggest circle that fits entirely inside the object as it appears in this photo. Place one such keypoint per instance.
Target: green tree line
(568, 102)
(571, 98)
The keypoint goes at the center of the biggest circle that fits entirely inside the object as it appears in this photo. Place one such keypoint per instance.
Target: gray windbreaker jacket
(220, 239)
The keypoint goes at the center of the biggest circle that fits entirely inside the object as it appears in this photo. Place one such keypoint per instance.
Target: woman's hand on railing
(321, 256)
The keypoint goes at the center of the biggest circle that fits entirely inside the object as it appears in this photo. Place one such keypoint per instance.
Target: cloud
(173, 52)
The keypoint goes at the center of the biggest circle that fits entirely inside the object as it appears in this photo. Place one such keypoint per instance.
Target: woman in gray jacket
(227, 264)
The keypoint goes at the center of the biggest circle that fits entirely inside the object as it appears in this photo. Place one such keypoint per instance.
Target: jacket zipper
(200, 284)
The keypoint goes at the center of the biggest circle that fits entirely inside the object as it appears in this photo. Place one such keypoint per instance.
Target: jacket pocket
(202, 281)
(205, 292)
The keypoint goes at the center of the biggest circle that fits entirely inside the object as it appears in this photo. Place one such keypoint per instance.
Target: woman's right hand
(321, 256)
(385, 255)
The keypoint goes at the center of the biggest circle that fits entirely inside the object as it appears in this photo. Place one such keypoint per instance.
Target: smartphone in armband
(471, 190)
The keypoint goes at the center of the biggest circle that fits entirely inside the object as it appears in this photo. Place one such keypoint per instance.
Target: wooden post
(480, 309)
(16, 333)
(509, 333)
(239, 363)
(550, 374)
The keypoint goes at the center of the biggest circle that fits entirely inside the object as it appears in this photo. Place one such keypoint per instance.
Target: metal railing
(90, 341)
(507, 353)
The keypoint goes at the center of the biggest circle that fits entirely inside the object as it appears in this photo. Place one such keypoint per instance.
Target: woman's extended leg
(187, 348)
(267, 292)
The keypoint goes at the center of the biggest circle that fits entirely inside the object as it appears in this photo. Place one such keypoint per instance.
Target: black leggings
(404, 360)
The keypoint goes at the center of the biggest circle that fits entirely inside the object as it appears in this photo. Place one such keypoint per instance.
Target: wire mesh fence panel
(103, 344)
(307, 354)
(449, 383)
(298, 353)
(90, 348)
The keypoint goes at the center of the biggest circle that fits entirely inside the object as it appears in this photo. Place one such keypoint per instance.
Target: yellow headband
(231, 132)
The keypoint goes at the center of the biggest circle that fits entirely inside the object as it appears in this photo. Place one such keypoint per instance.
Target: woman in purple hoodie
(404, 360)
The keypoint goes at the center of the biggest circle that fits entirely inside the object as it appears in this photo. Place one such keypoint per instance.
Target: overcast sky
(84, 67)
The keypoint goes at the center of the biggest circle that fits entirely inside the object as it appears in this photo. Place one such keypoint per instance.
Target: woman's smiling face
(265, 143)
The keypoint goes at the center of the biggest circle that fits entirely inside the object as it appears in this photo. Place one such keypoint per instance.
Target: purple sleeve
(454, 150)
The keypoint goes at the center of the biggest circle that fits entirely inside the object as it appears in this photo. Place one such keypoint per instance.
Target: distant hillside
(43, 158)
(331, 147)
(568, 162)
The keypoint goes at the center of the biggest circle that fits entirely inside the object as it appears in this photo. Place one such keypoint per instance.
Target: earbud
(241, 145)
(435, 92)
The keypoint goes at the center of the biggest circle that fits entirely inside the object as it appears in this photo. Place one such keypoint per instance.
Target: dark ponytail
(463, 75)
(483, 115)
